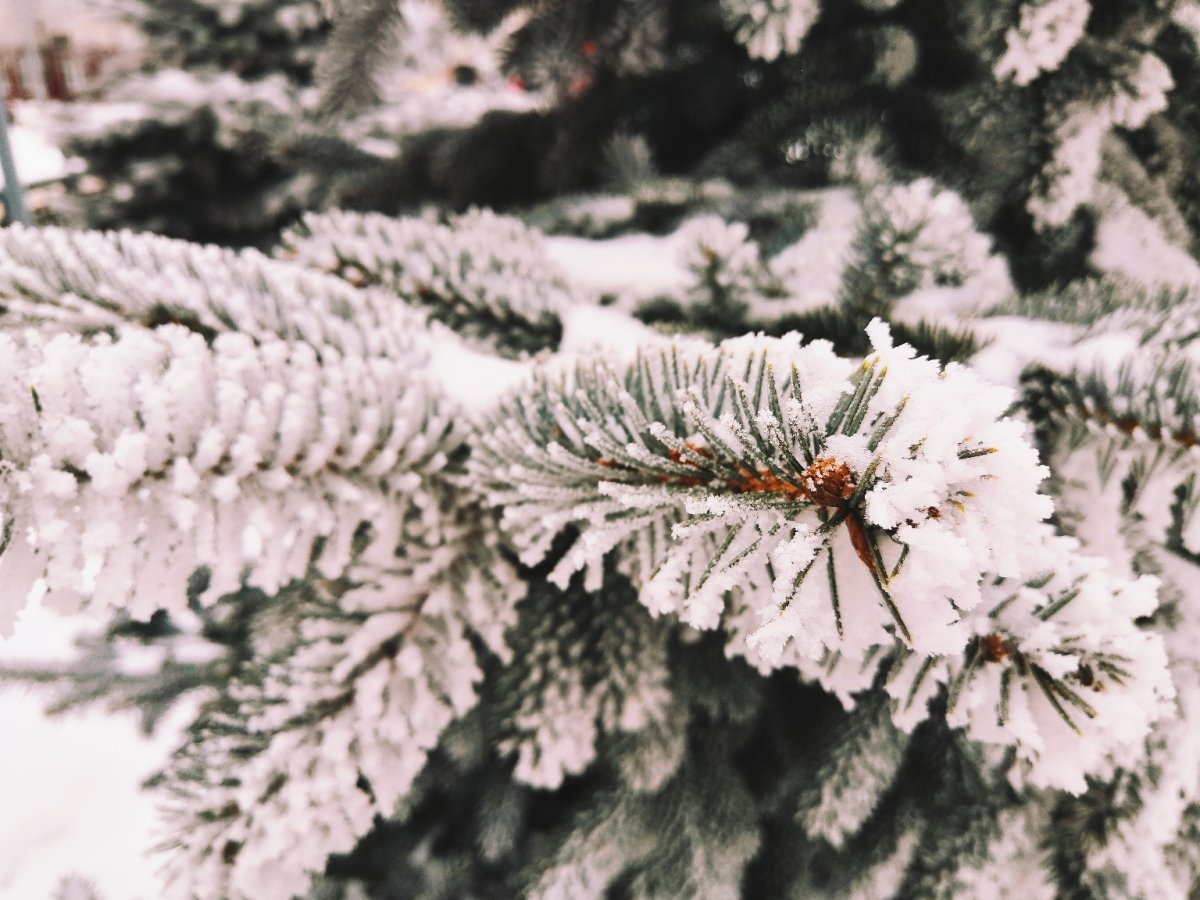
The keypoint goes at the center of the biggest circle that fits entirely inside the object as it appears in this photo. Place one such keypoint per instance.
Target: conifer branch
(364, 34)
(364, 674)
(585, 665)
(92, 282)
(486, 276)
(683, 464)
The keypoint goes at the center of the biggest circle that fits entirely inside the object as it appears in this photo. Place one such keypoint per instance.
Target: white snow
(1131, 244)
(70, 785)
(587, 328)
(1047, 32)
(36, 158)
(472, 379)
(813, 267)
(638, 264)
(1015, 342)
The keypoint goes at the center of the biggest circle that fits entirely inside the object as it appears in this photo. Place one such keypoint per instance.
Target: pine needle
(361, 44)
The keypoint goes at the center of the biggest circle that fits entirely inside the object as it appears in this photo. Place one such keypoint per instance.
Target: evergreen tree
(236, 120)
(790, 492)
(179, 147)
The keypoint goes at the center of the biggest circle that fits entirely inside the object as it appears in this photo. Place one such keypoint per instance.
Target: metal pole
(14, 201)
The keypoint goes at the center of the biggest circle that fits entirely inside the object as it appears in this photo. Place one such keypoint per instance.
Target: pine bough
(178, 424)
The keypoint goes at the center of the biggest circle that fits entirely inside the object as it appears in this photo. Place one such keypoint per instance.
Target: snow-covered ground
(70, 799)
(37, 158)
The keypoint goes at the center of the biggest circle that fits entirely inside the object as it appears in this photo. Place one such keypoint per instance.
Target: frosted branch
(837, 504)
(130, 463)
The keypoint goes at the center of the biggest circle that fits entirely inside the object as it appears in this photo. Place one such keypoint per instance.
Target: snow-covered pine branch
(1056, 667)
(585, 664)
(354, 681)
(840, 504)
(179, 421)
(1047, 31)
(692, 838)
(487, 276)
(1094, 300)
(809, 633)
(362, 41)
(1121, 428)
(1080, 120)
(132, 462)
(244, 423)
(910, 253)
(728, 277)
(919, 236)
(88, 281)
(769, 28)
(864, 757)
(835, 518)
(1154, 813)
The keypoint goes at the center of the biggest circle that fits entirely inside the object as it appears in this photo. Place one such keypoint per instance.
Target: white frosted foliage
(1070, 178)
(485, 274)
(1128, 422)
(1013, 868)
(597, 851)
(650, 756)
(1057, 668)
(770, 28)
(883, 877)
(851, 781)
(926, 237)
(563, 699)
(930, 485)
(1042, 39)
(86, 280)
(370, 683)
(115, 492)
(720, 253)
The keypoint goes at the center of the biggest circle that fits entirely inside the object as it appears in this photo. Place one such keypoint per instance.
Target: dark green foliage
(194, 154)
(361, 43)
(1083, 825)
(97, 677)
(1086, 301)
(191, 182)
(252, 39)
